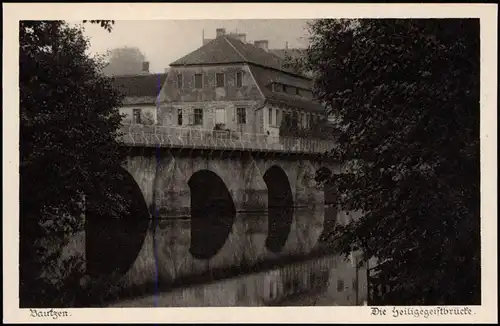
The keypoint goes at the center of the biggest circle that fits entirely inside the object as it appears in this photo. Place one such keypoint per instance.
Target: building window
(284, 88)
(297, 91)
(220, 116)
(198, 116)
(136, 116)
(179, 81)
(198, 81)
(340, 285)
(278, 117)
(239, 80)
(304, 119)
(270, 116)
(241, 114)
(354, 284)
(179, 117)
(295, 119)
(219, 80)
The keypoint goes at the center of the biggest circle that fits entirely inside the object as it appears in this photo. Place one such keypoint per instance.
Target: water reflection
(212, 247)
(280, 208)
(113, 244)
(212, 214)
(309, 282)
(331, 210)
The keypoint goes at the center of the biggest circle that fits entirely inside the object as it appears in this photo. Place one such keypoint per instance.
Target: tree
(406, 92)
(124, 61)
(69, 131)
(319, 128)
(148, 118)
(297, 64)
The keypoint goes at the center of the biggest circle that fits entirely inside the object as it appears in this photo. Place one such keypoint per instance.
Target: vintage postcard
(271, 162)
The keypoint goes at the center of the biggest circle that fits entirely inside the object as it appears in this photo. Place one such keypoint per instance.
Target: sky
(164, 41)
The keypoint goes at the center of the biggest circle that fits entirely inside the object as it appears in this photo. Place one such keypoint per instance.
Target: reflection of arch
(113, 244)
(324, 175)
(212, 213)
(280, 208)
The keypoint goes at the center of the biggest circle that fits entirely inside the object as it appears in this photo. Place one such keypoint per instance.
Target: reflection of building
(233, 85)
(139, 104)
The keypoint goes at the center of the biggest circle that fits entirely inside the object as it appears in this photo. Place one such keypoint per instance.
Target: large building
(233, 85)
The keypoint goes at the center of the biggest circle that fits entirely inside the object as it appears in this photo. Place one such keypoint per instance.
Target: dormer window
(239, 79)
(284, 88)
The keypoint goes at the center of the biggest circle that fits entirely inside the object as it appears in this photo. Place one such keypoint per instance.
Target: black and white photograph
(252, 162)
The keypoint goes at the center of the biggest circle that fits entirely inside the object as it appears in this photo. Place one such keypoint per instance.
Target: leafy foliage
(106, 24)
(319, 128)
(406, 93)
(148, 118)
(69, 126)
(124, 61)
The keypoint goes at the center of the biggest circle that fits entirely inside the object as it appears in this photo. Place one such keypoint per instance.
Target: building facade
(229, 84)
(140, 91)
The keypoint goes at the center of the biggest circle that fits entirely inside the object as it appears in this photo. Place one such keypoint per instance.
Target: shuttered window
(219, 80)
(198, 81)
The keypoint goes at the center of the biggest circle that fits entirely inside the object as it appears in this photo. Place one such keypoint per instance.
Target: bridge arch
(324, 176)
(113, 244)
(212, 214)
(280, 208)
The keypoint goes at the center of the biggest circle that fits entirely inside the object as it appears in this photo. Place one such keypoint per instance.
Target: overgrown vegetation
(406, 93)
(69, 128)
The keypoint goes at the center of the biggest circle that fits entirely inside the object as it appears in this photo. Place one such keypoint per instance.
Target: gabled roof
(265, 77)
(139, 88)
(265, 66)
(227, 49)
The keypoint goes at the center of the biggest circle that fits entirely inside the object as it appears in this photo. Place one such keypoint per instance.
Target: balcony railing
(166, 136)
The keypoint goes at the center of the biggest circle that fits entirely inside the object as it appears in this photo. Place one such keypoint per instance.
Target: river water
(163, 261)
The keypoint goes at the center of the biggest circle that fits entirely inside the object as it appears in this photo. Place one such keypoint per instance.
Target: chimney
(166, 70)
(242, 37)
(145, 67)
(263, 44)
(220, 32)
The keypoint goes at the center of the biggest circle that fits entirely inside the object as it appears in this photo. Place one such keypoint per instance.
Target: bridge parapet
(166, 136)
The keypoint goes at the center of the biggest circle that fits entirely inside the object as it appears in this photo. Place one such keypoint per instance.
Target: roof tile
(139, 85)
(227, 49)
(214, 52)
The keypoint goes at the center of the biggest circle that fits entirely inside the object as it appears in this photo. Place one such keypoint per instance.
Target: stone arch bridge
(205, 201)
